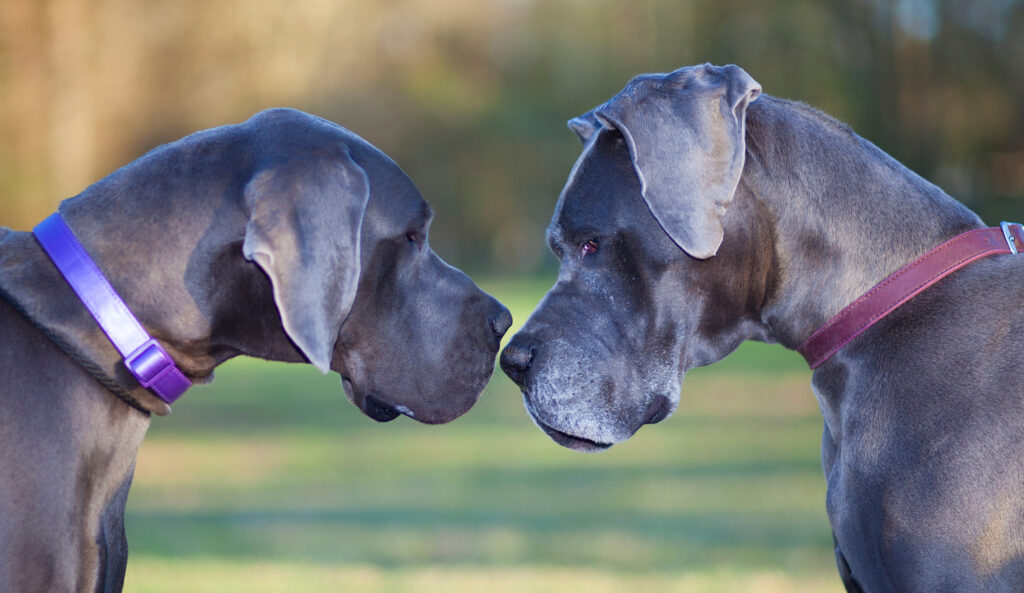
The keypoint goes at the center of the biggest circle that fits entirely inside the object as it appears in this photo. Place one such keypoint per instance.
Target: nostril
(500, 322)
(516, 359)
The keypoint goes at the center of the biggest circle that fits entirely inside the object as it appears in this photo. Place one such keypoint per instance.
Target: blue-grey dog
(285, 237)
(700, 215)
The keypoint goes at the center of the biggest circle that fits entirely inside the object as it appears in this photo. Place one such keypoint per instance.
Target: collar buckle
(1011, 241)
(149, 362)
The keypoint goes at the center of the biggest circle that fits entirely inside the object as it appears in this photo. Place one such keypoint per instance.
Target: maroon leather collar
(907, 282)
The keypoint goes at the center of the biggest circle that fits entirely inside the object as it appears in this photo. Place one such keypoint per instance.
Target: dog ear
(685, 133)
(584, 126)
(303, 232)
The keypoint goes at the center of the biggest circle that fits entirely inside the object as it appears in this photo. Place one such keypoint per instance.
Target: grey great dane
(285, 237)
(700, 215)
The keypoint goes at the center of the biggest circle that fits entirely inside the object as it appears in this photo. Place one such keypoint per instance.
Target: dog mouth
(374, 406)
(378, 409)
(572, 442)
(659, 408)
(569, 441)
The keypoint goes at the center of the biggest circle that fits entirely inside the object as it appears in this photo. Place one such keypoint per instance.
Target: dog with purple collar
(285, 237)
(702, 214)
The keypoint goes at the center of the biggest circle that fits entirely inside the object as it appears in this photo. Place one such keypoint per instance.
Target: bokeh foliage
(471, 96)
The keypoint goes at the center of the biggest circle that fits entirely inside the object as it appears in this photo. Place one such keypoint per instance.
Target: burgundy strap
(907, 282)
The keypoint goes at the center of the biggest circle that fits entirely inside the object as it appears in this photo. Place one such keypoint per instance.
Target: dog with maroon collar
(702, 214)
(285, 237)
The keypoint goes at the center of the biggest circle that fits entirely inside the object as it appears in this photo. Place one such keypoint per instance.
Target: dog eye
(588, 248)
(413, 237)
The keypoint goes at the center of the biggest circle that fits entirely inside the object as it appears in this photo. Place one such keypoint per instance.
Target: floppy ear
(584, 126)
(303, 231)
(685, 133)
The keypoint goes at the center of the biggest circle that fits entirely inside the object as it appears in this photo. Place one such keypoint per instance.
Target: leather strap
(905, 283)
(144, 356)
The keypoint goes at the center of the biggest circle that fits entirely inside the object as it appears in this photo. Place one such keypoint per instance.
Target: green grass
(269, 480)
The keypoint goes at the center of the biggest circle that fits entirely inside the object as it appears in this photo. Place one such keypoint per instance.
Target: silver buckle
(1010, 241)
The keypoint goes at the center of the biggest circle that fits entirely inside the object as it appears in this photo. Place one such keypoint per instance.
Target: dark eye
(412, 237)
(588, 248)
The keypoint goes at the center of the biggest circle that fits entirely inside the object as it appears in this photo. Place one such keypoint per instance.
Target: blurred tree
(471, 97)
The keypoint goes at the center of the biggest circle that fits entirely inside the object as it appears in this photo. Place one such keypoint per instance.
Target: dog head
(650, 285)
(342, 234)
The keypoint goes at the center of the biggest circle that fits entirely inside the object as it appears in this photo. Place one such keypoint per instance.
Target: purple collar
(143, 355)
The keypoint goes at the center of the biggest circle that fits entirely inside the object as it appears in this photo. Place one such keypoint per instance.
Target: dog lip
(346, 386)
(374, 406)
(570, 441)
(657, 410)
(378, 409)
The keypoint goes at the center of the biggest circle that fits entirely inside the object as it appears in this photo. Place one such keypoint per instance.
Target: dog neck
(182, 274)
(845, 215)
(36, 289)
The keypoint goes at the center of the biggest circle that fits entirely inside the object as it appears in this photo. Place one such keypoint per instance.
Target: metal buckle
(1010, 240)
(149, 362)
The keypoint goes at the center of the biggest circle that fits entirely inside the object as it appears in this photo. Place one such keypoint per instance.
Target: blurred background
(269, 481)
(470, 97)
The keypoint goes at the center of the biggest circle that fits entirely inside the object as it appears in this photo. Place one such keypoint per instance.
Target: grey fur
(923, 448)
(285, 237)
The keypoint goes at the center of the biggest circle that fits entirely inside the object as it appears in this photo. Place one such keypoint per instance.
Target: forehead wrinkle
(557, 229)
(573, 174)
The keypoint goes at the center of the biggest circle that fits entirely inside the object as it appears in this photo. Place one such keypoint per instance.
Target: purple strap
(144, 356)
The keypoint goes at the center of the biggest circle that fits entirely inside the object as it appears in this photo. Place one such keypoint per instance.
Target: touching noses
(517, 357)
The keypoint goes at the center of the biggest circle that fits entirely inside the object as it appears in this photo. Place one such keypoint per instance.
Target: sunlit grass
(272, 577)
(269, 480)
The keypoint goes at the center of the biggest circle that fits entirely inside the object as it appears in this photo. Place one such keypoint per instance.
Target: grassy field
(268, 480)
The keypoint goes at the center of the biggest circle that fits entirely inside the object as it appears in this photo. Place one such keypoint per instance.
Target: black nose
(516, 359)
(500, 322)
